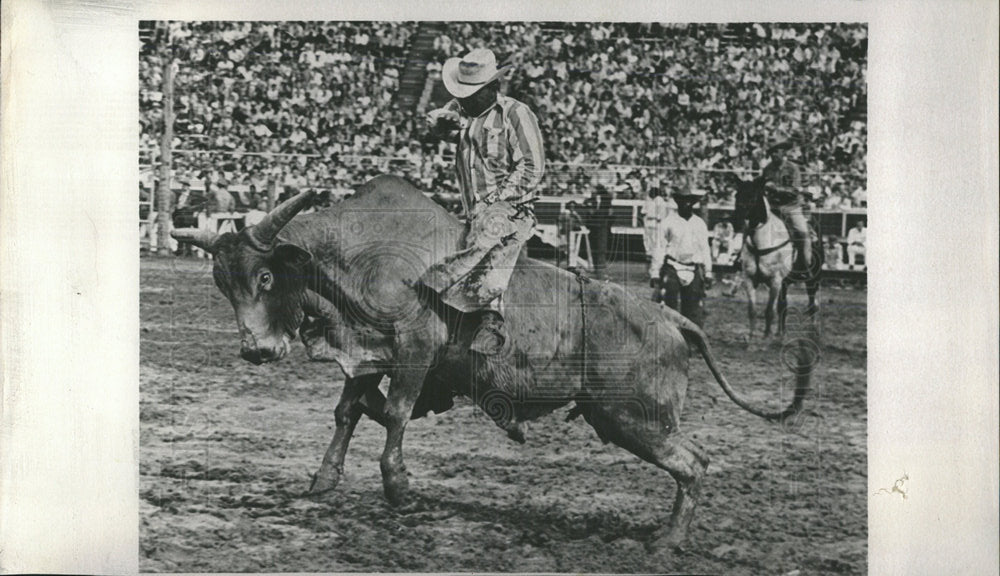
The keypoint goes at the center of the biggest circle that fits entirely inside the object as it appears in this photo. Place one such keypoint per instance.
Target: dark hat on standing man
(689, 195)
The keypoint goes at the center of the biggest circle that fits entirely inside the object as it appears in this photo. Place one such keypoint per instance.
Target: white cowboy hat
(464, 76)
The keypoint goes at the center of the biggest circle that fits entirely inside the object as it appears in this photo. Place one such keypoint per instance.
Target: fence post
(165, 197)
(272, 194)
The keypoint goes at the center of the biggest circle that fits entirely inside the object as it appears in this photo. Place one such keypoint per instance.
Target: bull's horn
(267, 229)
(204, 239)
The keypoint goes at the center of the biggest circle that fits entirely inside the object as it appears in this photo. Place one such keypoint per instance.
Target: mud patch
(227, 449)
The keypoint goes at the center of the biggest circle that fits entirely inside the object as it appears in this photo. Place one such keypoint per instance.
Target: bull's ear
(292, 255)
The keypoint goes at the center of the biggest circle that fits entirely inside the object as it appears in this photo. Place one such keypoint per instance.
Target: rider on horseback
(783, 183)
(500, 162)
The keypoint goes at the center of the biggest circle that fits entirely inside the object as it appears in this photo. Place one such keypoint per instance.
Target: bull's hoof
(322, 484)
(517, 431)
(397, 493)
(667, 541)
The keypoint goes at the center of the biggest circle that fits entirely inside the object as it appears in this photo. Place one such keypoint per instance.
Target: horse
(768, 256)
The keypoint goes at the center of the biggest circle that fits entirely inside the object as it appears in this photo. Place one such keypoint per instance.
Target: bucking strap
(758, 252)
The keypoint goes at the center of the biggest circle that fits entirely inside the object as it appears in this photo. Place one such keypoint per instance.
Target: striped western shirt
(500, 154)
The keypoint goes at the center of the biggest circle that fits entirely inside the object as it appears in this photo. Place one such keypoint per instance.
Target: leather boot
(491, 335)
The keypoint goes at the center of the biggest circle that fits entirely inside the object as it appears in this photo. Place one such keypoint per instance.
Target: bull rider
(499, 163)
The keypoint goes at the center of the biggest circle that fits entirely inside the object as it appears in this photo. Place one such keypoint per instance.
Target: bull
(344, 280)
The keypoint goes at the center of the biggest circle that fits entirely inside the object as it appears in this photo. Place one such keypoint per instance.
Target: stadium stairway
(732, 36)
(418, 54)
(147, 35)
(860, 110)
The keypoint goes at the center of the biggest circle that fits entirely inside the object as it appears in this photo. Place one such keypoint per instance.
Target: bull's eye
(266, 280)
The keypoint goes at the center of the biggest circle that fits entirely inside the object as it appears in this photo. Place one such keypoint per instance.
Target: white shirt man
(856, 242)
(686, 245)
(688, 260)
(723, 232)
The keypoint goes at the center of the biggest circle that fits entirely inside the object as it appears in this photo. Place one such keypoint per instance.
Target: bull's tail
(805, 354)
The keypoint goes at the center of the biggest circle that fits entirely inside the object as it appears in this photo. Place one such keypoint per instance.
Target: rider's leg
(799, 230)
(510, 229)
(491, 334)
(490, 226)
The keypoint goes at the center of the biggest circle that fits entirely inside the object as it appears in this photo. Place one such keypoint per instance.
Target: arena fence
(626, 219)
(560, 176)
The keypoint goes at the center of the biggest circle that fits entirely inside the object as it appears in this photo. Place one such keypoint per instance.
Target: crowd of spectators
(631, 107)
(701, 98)
(310, 92)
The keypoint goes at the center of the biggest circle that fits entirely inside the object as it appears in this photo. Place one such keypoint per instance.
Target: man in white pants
(654, 212)
(856, 240)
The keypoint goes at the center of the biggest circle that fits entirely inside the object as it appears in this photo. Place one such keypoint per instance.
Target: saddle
(758, 251)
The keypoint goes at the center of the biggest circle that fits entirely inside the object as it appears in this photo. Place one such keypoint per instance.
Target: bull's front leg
(414, 355)
(348, 412)
(403, 393)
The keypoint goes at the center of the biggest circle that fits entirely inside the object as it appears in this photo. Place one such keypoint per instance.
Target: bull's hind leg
(654, 442)
(687, 463)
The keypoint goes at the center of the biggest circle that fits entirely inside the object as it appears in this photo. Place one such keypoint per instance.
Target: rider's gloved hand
(443, 121)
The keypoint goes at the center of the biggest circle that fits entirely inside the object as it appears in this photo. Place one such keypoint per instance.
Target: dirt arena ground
(227, 449)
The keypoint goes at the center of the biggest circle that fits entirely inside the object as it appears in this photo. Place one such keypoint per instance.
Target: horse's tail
(805, 354)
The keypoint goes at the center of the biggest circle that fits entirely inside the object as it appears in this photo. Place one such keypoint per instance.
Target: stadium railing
(626, 213)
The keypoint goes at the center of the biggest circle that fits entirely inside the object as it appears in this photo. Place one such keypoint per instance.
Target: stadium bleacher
(636, 106)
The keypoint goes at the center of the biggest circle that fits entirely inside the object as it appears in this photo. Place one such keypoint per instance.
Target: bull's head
(263, 278)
